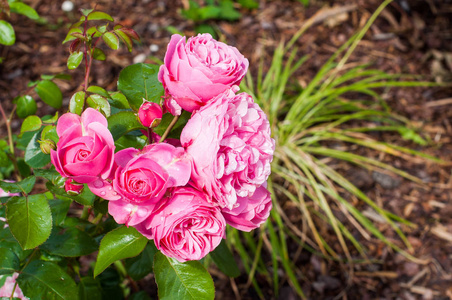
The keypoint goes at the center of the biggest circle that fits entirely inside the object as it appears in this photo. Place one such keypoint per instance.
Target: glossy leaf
(98, 102)
(98, 15)
(31, 123)
(59, 209)
(118, 100)
(46, 280)
(86, 197)
(77, 102)
(111, 40)
(123, 242)
(4, 159)
(23, 9)
(140, 266)
(123, 122)
(74, 60)
(98, 90)
(70, 242)
(9, 262)
(26, 106)
(50, 93)
(33, 154)
(188, 280)
(98, 54)
(89, 289)
(8, 241)
(49, 133)
(7, 34)
(24, 186)
(69, 36)
(224, 260)
(138, 82)
(30, 219)
(125, 39)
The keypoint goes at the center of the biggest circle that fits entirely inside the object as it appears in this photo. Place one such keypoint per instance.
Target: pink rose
(86, 148)
(249, 212)
(7, 289)
(142, 178)
(198, 70)
(186, 225)
(229, 141)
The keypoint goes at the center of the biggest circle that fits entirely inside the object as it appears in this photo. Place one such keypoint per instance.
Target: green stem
(85, 213)
(26, 264)
(10, 140)
(170, 126)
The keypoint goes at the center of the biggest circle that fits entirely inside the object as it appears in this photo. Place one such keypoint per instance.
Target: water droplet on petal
(102, 193)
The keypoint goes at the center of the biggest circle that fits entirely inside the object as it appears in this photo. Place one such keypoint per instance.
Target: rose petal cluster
(85, 149)
(181, 193)
(197, 70)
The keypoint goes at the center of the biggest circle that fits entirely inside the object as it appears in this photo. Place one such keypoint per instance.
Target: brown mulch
(412, 37)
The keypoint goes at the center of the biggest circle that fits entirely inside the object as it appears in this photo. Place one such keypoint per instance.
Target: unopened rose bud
(46, 146)
(150, 114)
(73, 188)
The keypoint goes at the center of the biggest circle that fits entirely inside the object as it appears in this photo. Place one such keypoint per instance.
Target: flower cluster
(180, 193)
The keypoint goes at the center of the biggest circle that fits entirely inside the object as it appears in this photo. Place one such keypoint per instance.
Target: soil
(411, 37)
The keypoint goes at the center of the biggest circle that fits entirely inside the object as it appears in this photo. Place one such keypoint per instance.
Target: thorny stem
(170, 126)
(10, 140)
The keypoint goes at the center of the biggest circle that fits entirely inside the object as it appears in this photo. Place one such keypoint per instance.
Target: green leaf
(98, 15)
(24, 186)
(7, 35)
(125, 39)
(77, 102)
(33, 154)
(85, 12)
(140, 296)
(69, 36)
(8, 241)
(4, 159)
(98, 90)
(49, 133)
(9, 262)
(26, 106)
(111, 40)
(74, 60)
(177, 129)
(188, 280)
(46, 280)
(98, 54)
(224, 260)
(123, 122)
(118, 100)
(70, 242)
(31, 123)
(23, 9)
(50, 93)
(98, 102)
(138, 82)
(30, 219)
(85, 198)
(89, 289)
(93, 32)
(123, 242)
(59, 209)
(140, 266)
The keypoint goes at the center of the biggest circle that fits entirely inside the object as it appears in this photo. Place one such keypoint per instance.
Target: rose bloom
(142, 178)
(7, 288)
(249, 212)
(197, 70)
(186, 226)
(229, 141)
(85, 150)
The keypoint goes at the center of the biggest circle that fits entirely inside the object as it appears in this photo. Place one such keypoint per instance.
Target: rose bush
(196, 71)
(229, 140)
(8, 287)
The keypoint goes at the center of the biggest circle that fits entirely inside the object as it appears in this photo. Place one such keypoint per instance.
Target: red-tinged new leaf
(125, 38)
(69, 36)
(131, 33)
(74, 46)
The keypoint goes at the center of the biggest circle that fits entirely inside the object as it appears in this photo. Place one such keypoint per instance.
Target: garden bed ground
(414, 39)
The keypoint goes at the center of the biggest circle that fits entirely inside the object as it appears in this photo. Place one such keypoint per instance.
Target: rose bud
(73, 188)
(150, 114)
(46, 146)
